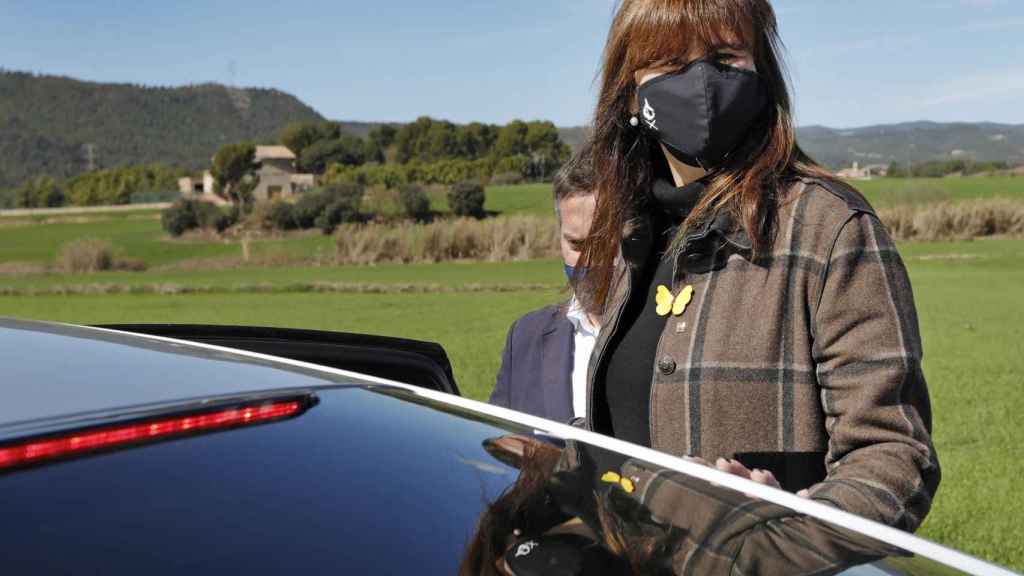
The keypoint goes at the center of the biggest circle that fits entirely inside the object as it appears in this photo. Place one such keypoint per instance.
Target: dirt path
(72, 210)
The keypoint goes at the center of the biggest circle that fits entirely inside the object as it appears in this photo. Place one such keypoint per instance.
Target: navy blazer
(536, 365)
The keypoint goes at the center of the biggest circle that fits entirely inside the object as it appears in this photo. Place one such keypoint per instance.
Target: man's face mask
(702, 112)
(571, 273)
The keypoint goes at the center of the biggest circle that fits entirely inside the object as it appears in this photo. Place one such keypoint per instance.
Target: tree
(232, 171)
(300, 135)
(511, 139)
(346, 150)
(378, 142)
(39, 192)
(415, 202)
(475, 140)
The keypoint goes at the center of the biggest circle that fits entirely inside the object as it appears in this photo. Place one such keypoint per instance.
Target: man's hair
(576, 177)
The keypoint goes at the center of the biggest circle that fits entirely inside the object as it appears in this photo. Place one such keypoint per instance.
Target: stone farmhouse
(273, 165)
(856, 172)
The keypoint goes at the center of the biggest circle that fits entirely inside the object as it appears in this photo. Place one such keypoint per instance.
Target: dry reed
(959, 221)
(499, 239)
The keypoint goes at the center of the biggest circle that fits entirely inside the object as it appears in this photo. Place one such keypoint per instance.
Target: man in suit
(544, 364)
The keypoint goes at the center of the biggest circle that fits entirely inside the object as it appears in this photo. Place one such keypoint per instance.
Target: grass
(139, 238)
(446, 274)
(534, 199)
(969, 298)
(883, 192)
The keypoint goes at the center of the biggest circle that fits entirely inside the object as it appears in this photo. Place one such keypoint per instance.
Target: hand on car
(735, 467)
(757, 475)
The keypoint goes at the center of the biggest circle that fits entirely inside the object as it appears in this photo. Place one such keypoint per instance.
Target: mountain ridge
(62, 126)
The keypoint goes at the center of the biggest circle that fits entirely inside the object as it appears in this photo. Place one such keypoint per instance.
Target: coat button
(666, 365)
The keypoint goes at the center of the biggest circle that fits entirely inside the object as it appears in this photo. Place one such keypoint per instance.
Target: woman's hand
(757, 475)
(735, 467)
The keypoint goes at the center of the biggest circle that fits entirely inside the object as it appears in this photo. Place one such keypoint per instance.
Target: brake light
(90, 440)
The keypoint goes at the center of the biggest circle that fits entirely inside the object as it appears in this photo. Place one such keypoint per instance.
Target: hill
(58, 126)
(905, 143)
(914, 142)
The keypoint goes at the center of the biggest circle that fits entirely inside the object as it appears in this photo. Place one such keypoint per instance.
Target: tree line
(939, 168)
(428, 151)
(150, 182)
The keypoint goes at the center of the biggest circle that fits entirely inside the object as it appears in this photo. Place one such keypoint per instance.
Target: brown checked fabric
(806, 358)
(726, 532)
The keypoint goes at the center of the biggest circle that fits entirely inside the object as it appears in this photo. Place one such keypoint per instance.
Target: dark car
(190, 449)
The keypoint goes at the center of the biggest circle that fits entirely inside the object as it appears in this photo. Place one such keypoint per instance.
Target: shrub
(280, 215)
(310, 209)
(210, 217)
(179, 217)
(186, 214)
(346, 192)
(415, 202)
(467, 199)
(85, 255)
(310, 205)
(339, 211)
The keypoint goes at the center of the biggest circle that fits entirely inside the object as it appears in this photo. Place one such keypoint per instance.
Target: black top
(622, 401)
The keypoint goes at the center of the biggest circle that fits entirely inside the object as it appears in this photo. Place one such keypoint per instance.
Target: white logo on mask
(525, 548)
(649, 114)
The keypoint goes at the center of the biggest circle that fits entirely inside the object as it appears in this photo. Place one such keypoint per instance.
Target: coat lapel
(556, 366)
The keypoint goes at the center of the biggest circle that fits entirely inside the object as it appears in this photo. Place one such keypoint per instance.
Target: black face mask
(702, 112)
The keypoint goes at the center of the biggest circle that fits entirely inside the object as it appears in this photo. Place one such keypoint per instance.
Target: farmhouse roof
(273, 153)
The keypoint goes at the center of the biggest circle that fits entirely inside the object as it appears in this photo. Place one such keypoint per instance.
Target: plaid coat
(807, 355)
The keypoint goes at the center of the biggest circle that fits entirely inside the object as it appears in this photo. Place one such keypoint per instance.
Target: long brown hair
(526, 506)
(649, 33)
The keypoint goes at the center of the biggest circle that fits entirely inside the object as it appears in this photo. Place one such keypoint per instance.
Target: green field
(970, 298)
(884, 192)
(138, 234)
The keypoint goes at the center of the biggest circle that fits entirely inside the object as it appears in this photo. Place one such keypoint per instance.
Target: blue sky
(853, 63)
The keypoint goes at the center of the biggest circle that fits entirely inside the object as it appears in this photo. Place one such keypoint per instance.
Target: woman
(760, 316)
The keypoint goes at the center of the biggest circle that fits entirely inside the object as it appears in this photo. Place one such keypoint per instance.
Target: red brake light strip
(90, 440)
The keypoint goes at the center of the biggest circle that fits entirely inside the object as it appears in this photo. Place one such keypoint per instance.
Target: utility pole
(90, 156)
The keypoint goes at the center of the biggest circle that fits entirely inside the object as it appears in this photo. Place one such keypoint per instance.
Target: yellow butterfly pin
(674, 304)
(614, 478)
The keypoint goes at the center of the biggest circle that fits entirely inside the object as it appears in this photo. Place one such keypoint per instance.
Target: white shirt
(584, 338)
